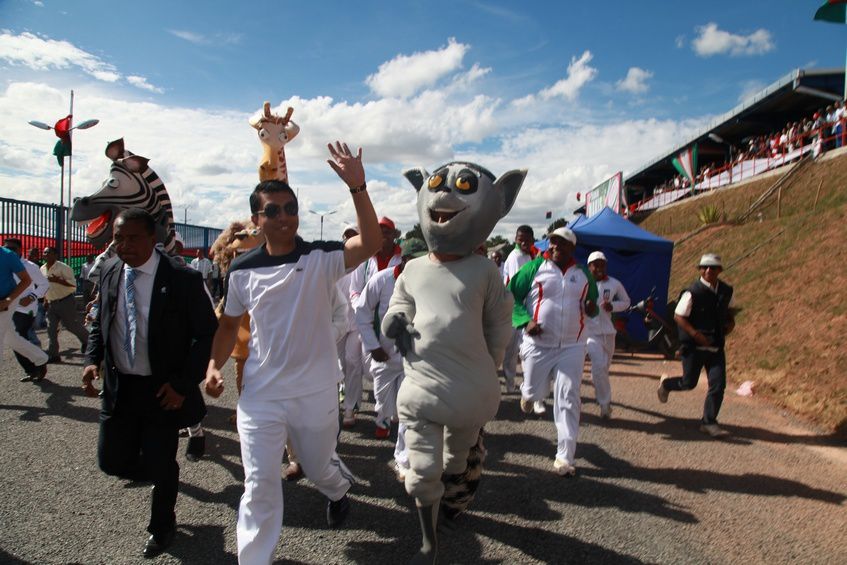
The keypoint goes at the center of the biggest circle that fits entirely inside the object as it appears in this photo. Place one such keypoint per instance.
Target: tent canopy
(608, 229)
(639, 259)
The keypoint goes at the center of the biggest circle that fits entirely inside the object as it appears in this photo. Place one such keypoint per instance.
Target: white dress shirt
(37, 288)
(144, 277)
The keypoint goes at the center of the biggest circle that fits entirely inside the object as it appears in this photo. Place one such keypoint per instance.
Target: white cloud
(141, 82)
(679, 41)
(43, 54)
(635, 81)
(208, 158)
(405, 75)
(200, 39)
(580, 73)
(190, 36)
(713, 41)
(749, 89)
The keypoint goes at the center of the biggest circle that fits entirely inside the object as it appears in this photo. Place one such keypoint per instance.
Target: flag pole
(70, 174)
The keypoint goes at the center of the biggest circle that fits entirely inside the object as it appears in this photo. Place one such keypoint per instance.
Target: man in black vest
(704, 319)
(153, 335)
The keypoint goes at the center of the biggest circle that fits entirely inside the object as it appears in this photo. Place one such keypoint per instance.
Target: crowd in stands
(824, 130)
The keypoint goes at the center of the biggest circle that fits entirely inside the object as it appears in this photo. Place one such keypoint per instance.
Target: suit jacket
(181, 327)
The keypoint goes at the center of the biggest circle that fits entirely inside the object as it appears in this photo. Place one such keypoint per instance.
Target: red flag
(63, 128)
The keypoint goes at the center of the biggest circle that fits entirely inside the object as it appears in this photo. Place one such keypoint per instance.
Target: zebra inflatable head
(130, 184)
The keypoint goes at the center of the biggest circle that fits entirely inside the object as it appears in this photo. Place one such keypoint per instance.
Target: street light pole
(322, 219)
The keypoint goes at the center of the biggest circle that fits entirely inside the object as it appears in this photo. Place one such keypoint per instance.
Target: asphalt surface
(651, 487)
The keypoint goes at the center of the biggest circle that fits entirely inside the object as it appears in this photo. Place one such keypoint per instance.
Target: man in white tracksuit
(553, 295)
(350, 347)
(384, 361)
(523, 252)
(388, 256)
(600, 346)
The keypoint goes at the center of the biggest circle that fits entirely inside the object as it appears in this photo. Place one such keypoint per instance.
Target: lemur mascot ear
(451, 314)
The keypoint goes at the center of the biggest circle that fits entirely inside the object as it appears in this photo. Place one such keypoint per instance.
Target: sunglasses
(244, 234)
(273, 210)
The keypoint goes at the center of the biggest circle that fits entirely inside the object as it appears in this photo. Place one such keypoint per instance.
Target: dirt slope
(790, 335)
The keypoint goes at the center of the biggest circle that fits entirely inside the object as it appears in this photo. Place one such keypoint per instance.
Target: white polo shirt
(289, 299)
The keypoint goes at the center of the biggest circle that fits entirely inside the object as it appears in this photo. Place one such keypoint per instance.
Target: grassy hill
(790, 336)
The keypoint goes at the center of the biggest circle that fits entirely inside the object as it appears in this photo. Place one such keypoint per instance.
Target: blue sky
(573, 92)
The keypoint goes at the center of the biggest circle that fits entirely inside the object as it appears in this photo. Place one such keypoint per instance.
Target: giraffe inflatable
(274, 133)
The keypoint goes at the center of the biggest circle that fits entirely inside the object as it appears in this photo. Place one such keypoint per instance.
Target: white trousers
(19, 343)
(601, 349)
(564, 367)
(310, 423)
(510, 360)
(353, 367)
(387, 379)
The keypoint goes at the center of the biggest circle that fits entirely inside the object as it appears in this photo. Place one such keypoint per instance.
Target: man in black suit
(153, 333)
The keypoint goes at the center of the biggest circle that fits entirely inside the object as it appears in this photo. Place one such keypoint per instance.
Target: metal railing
(40, 225)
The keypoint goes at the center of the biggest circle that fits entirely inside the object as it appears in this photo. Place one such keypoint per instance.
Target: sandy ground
(651, 487)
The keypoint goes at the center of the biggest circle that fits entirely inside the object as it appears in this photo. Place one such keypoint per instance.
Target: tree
(495, 241)
(414, 232)
(560, 223)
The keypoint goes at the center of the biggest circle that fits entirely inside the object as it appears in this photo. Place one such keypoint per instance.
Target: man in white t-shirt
(524, 252)
(204, 266)
(289, 389)
(600, 346)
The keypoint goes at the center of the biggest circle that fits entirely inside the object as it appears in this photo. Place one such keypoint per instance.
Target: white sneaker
(563, 468)
(713, 430)
(538, 407)
(662, 392)
(526, 406)
(605, 411)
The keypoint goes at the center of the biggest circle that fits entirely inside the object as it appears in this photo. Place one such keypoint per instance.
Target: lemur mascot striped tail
(131, 184)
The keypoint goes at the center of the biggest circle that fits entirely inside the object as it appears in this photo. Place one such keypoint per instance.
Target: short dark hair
(50, 249)
(14, 241)
(138, 215)
(268, 187)
(525, 229)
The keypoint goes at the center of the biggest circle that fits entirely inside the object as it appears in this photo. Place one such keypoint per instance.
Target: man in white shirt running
(600, 346)
(289, 390)
(523, 252)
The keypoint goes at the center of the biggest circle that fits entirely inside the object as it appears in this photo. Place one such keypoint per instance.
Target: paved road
(650, 488)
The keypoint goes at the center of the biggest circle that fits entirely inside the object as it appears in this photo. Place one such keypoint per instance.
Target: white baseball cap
(349, 227)
(710, 260)
(564, 233)
(596, 256)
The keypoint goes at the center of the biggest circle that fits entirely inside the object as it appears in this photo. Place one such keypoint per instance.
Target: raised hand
(346, 165)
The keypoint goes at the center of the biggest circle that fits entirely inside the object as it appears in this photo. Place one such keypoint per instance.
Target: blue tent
(637, 258)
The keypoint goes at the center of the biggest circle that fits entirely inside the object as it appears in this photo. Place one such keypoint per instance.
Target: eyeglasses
(244, 234)
(712, 267)
(273, 210)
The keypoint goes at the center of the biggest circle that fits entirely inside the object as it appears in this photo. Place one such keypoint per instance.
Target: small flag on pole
(833, 11)
(62, 148)
(686, 164)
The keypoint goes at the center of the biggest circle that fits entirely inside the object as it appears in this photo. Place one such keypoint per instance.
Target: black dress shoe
(196, 448)
(55, 359)
(26, 378)
(156, 544)
(336, 512)
(40, 373)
